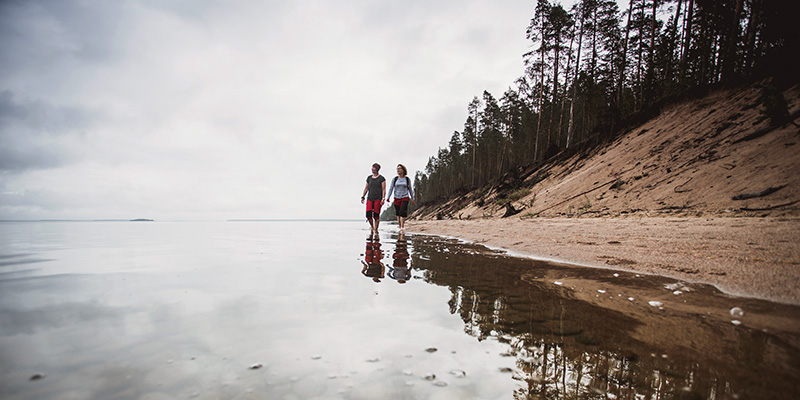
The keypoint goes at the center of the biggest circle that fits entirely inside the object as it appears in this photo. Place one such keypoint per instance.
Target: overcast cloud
(235, 109)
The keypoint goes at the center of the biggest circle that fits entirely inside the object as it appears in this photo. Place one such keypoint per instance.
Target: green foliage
(585, 206)
(501, 201)
(775, 107)
(540, 176)
(514, 196)
(519, 194)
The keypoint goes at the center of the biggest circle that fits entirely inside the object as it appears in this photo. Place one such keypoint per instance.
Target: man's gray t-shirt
(375, 191)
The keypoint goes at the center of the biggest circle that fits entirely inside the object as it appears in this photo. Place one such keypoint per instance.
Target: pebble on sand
(458, 373)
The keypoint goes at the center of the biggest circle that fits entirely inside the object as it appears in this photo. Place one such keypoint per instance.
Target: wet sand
(752, 257)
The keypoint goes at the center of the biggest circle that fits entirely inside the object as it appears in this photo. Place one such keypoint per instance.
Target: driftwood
(510, 210)
(767, 191)
(679, 188)
(770, 208)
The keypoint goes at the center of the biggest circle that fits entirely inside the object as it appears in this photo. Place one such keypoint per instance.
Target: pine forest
(595, 69)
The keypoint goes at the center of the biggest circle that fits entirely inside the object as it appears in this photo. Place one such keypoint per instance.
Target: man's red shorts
(374, 206)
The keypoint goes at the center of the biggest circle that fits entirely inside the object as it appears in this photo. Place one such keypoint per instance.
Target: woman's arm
(383, 186)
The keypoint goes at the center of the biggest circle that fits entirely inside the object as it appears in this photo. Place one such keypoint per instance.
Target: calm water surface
(319, 310)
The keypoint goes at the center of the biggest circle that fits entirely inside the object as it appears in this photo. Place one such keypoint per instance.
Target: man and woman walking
(375, 192)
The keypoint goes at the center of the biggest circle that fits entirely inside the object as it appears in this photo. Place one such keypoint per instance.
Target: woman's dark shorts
(401, 207)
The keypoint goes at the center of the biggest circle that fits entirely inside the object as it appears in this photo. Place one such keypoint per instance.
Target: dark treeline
(594, 68)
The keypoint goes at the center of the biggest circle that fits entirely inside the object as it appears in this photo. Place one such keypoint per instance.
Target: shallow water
(266, 310)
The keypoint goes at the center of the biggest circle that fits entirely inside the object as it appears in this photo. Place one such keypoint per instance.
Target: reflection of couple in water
(373, 266)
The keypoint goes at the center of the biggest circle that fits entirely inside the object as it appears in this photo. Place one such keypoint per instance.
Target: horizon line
(179, 220)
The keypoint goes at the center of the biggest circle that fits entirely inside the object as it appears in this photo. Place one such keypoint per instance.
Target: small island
(142, 220)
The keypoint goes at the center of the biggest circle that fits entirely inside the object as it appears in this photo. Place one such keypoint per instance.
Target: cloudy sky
(235, 109)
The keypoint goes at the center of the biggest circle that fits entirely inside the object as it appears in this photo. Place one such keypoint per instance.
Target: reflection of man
(373, 267)
(400, 270)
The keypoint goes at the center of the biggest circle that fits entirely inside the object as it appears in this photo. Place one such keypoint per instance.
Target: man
(376, 187)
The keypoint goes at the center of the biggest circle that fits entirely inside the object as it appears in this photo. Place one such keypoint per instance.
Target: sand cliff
(706, 191)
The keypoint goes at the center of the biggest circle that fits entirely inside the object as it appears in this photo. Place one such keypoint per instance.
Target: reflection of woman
(376, 187)
(402, 191)
(373, 267)
(400, 270)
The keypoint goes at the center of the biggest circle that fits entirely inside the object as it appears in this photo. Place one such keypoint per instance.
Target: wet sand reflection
(578, 332)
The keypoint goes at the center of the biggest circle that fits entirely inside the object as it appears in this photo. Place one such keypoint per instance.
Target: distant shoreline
(292, 220)
(179, 220)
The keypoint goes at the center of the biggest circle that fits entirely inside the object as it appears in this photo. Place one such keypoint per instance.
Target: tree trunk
(540, 111)
(593, 64)
(564, 97)
(668, 73)
(571, 128)
(557, 56)
(650, 77)
(639, 57)
(541, 93)
(687, 39)
(732, 39)
(621, 82)
(704, 50)
(752, 26)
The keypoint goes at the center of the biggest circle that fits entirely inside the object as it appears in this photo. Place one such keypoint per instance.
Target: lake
(321, 310)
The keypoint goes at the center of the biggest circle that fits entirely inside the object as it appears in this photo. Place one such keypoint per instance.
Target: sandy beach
(752, 257)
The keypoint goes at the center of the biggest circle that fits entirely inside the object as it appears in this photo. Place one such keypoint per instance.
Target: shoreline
(741, 256)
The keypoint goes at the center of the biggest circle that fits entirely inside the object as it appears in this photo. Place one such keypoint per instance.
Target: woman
(402, 191)
(376, 187)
